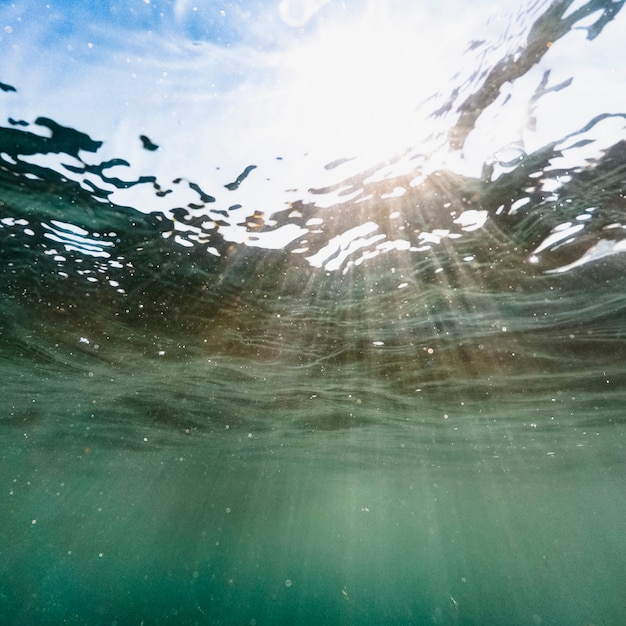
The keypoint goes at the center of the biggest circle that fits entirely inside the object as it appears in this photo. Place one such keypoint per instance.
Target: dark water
(285, 390)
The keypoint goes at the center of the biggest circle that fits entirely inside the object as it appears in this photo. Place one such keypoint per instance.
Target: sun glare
(353, 89)
(299, 12)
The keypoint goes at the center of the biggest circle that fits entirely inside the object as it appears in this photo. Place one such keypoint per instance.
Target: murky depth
(480, 512)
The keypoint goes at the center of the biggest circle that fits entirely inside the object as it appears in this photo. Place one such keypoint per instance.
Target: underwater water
(313, 313)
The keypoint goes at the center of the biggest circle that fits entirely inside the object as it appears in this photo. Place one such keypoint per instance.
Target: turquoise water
(285, 390)
(150, 480)
(119, 509)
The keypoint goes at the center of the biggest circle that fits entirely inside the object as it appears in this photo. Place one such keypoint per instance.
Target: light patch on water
(75, 239)
(601, 249)
(340, 247)
(559, 234)
(472, 220)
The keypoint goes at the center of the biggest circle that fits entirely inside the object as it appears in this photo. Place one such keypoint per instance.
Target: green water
(302, 447)
(149, 481)
(380, 396)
